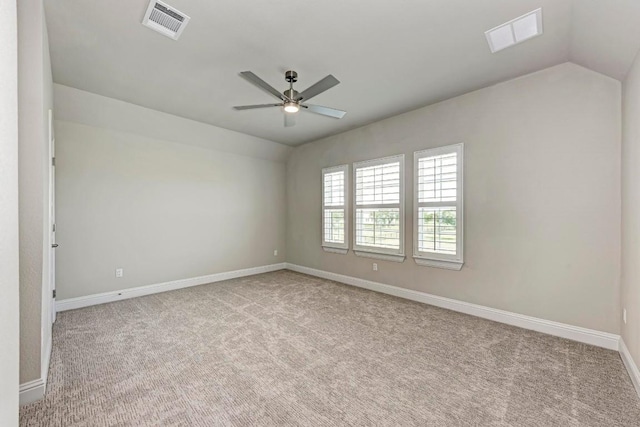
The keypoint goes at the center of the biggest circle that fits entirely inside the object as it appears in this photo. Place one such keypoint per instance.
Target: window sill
(378, 255)
(341, 251)
(449, 265)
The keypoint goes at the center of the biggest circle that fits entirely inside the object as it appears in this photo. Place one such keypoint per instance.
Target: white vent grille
(164, 19)
(515, 31)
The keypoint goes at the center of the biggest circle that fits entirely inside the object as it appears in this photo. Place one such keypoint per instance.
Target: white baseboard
(631, 366)
(32, 391)
(79, 302)
(575, 333)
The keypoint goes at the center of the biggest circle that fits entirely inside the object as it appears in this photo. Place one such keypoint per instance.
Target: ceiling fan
(292, 100)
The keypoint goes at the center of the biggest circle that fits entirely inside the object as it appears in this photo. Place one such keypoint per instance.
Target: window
(379, 208)
(334, 209)
(438, 216)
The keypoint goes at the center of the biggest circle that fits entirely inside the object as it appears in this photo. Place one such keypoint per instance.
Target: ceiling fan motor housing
(291, 93)
(291, 76)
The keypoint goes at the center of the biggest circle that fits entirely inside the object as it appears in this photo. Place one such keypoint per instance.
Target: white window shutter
(334, 209)
(438, 207)
(379, 208)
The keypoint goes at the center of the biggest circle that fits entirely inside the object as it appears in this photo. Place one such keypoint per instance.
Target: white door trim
(52, 218)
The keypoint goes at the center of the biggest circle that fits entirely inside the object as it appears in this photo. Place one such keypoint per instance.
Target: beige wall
(9, 273)
(34, 101)
(542, 196)
(83, 107)
(159, 209)
(630, 295)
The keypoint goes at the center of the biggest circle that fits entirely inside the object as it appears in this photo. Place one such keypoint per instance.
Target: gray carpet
(289, 349)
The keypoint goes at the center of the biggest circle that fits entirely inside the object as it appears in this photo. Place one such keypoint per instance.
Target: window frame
(339, 248)
(433, 259)
(373, 251)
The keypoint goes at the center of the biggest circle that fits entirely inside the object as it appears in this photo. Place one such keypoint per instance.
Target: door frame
(52, 218)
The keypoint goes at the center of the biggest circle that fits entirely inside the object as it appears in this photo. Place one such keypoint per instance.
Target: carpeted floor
(288, 349)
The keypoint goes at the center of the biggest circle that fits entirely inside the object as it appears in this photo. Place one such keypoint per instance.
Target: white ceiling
(390, 56)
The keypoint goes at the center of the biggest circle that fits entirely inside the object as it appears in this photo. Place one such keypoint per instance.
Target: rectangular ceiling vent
(164, 19)
(515, 31)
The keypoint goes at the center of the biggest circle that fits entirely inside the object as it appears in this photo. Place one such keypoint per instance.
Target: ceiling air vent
(515, 31)
(164, 19)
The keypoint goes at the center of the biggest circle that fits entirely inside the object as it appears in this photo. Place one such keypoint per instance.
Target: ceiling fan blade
(289, 120)
(326, 111)
(252, 78)
(251, 107)
(316, 89)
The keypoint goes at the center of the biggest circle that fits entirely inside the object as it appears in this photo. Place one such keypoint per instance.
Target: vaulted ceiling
(390, 56)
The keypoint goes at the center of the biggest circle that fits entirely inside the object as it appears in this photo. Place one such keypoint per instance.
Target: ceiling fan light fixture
(291, 107)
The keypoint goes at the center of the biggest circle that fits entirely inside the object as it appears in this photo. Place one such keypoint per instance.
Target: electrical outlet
(119, 272)
(275, 252)
(375, 266)
(624, 315)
